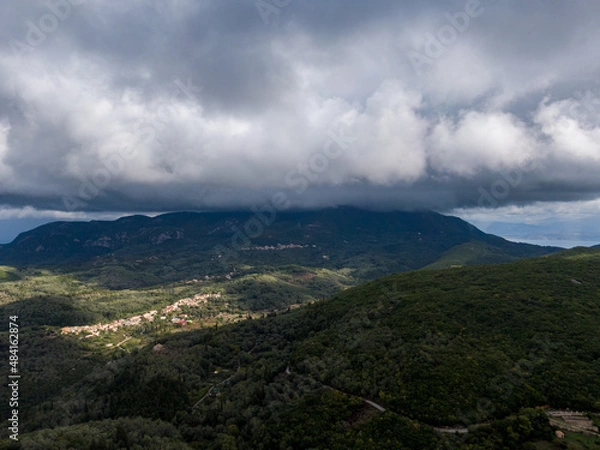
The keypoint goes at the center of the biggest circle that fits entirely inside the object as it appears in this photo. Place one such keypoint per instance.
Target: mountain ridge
(59, 242)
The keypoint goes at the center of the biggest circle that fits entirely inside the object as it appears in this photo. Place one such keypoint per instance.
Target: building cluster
(192, 301)
(207, 278)
(115, 325)
(276, 247)
(196, 280)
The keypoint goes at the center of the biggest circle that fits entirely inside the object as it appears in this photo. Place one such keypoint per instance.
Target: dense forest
(485, 348)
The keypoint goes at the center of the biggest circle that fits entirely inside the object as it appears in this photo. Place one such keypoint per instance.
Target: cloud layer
(155, 106)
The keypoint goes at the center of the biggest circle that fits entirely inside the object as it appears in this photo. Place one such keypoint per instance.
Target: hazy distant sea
(555, 243)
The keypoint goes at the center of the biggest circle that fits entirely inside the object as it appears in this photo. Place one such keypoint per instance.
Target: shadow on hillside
(53, 311)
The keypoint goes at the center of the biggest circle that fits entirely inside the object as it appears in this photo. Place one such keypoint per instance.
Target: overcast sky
(146, 106)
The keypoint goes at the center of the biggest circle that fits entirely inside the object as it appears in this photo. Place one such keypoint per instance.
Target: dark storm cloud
(151, 106)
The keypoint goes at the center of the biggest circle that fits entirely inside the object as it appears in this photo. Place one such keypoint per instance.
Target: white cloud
(573, 126)
(5, 169)
(272, 94)
(390, 134)
(475, 141)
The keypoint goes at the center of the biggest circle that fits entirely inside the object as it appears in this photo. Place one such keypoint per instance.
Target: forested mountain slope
(460, 347)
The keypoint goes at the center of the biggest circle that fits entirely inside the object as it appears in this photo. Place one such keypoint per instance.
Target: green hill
(140, 251)
(476, 347)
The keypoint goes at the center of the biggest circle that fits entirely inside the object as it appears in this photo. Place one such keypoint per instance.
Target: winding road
(218, 384)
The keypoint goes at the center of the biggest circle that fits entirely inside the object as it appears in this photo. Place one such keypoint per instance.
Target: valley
(287, 349)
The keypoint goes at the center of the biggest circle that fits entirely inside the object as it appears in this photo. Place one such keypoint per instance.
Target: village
(115, 325)
(277, 247)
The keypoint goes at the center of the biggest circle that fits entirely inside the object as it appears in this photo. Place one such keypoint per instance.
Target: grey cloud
(94, 114)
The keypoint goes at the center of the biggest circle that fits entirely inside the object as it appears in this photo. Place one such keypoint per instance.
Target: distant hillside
(473, 346)
(191, 244)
